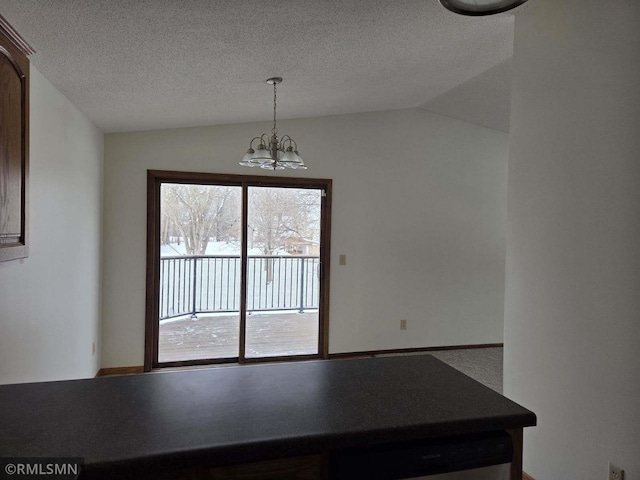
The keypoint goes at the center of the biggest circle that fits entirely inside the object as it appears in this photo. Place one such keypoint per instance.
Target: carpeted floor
(481, 364)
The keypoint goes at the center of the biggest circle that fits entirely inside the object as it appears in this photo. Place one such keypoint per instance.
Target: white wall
(419, 208)
(572, 315)
(50, 301)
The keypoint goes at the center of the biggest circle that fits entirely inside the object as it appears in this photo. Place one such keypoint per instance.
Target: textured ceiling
(148, 64)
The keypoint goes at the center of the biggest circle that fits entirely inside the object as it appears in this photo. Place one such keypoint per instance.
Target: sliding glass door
(236, 269)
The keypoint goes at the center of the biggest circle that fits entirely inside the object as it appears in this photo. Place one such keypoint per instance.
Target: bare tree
(278, 214)
(199, 212)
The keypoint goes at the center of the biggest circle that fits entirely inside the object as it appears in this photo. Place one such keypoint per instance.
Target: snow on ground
(227, 314)
(213, 248)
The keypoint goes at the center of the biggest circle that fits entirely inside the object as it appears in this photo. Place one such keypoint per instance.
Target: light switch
(343, 259)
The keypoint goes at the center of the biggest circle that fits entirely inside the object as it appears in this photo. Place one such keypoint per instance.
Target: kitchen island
(282, 420)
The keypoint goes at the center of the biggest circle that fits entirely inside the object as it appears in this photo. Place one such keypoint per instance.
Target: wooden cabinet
(14, 142)
(306, 467)
(310, 467)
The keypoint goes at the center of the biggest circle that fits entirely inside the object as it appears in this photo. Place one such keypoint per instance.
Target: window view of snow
(200, 272)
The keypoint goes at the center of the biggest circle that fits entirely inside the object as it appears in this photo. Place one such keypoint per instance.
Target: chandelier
(273, 153)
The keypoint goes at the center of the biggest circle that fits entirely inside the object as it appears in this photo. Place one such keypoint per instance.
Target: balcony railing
(211, 283)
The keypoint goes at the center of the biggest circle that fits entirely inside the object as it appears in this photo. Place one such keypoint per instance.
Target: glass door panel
(283, 272)
(200, 272)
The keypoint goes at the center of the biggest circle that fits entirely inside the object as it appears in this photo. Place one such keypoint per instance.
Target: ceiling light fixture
(480, 7)
(273, 153)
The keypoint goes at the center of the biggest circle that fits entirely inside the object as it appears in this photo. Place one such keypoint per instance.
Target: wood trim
(103, 372)
(516, 461)
(152, 292)
(527, 477)
(283, 358)
(242, 348)
(204, 362)
(174, 176)
(372, 353)
(201, 362)
(325, 258)
(19, 42)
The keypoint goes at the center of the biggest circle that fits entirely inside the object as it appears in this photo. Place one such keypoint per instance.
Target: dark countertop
(249, 412)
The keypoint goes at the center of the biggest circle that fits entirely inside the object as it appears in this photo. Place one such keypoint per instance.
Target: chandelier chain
(274, 130)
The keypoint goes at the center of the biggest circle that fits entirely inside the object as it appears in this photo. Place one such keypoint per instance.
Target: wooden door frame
(155, 178)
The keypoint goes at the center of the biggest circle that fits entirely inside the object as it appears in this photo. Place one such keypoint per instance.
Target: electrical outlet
(403, 324)
(615, 473)
(93, 348)
(342, 260)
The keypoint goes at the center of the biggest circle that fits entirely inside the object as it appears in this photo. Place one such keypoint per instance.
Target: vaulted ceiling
(149, 64)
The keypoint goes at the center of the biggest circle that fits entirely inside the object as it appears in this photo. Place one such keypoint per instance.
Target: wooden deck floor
(216, 336)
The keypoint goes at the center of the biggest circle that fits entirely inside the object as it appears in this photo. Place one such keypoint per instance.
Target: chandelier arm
(251, 142)
(287, 138)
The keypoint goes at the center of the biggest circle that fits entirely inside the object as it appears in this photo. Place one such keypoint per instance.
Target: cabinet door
(311, 467)
(14, 144)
